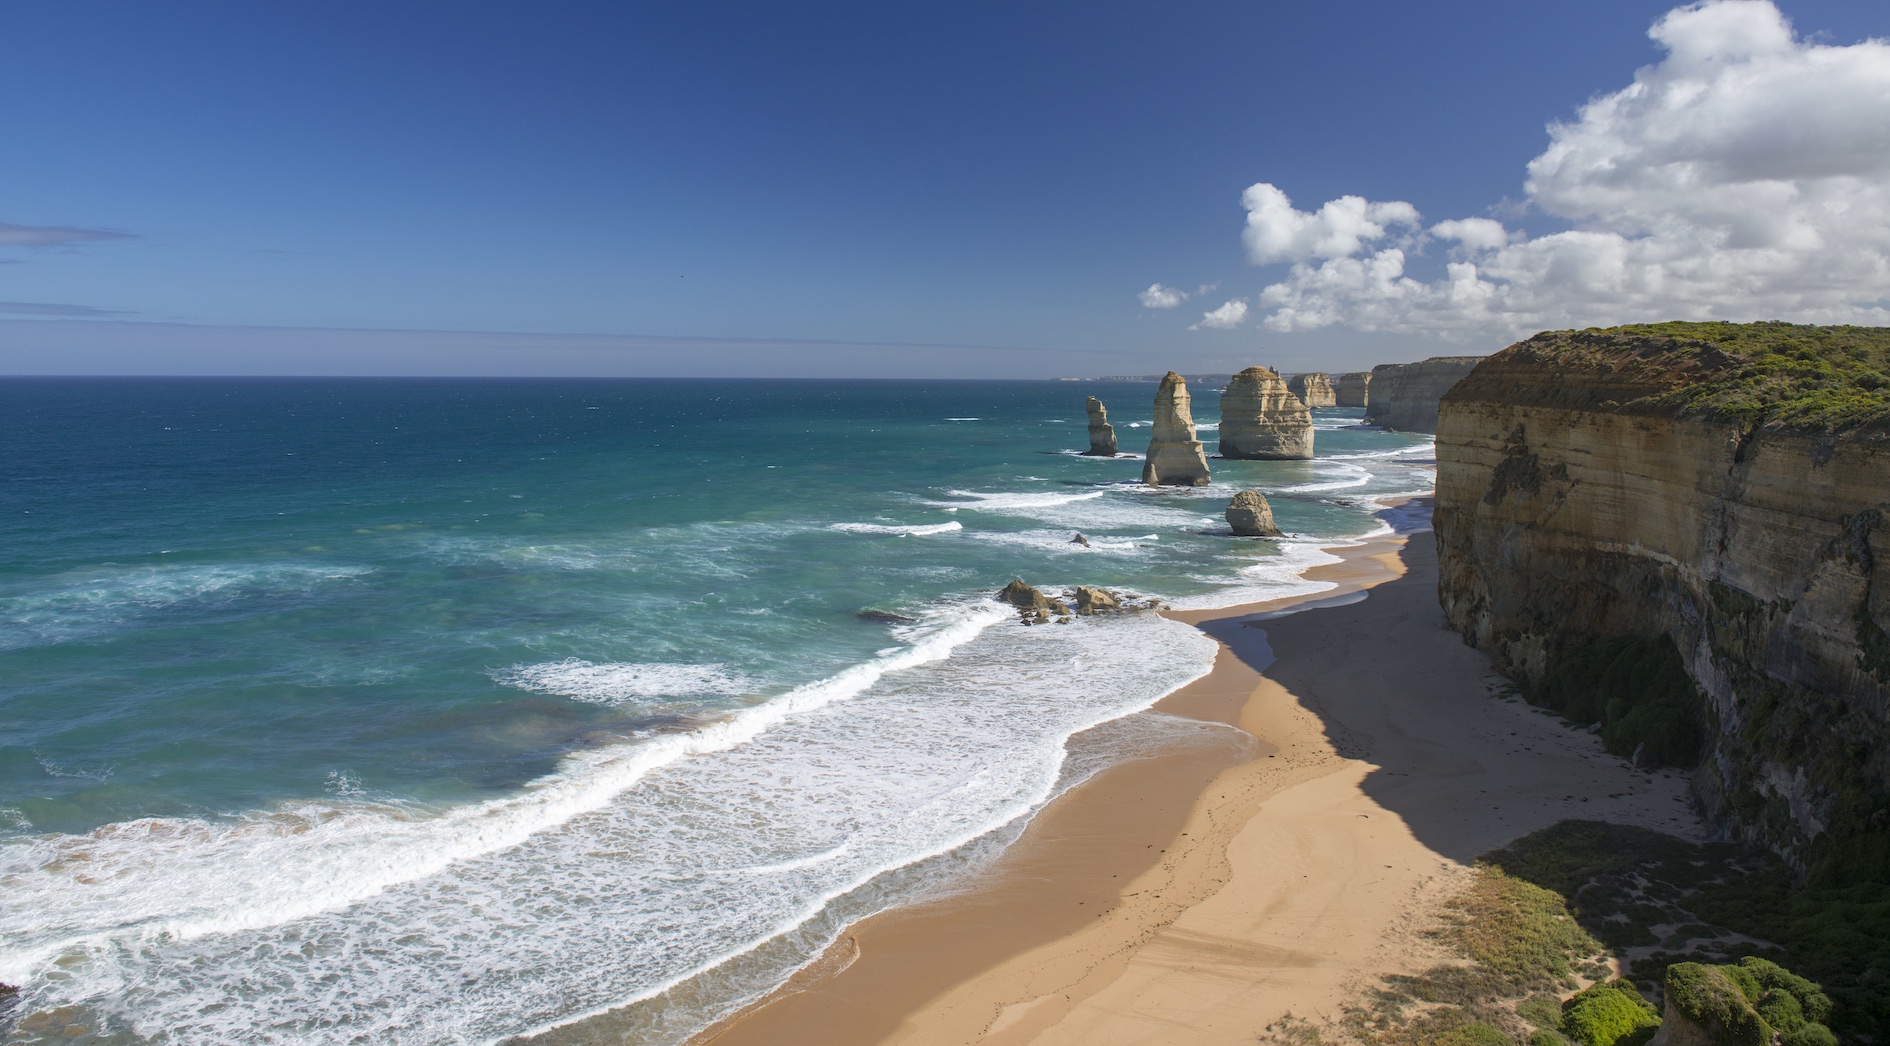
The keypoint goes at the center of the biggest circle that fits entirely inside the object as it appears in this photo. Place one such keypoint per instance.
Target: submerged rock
(1352, 390)
(1251, 516)
(885, 617)
(1314, 390)
(1095, 600)
(1102, 435)
(1261, 420)
(1079, 539)
(1175, 456)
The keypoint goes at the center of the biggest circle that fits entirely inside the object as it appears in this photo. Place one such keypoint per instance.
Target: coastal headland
(1199, 896)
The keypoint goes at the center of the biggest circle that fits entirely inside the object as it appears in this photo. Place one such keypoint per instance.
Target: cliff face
(1404, 395)
(1314, 390)
(1102, 435)
(1262, 421)
(1175, 457)
(1350, 389)
(1648, 482)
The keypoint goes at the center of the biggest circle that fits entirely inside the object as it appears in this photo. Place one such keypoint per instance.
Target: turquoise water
(440, 711)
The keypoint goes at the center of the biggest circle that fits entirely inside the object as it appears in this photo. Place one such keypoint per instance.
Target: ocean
(446, 711)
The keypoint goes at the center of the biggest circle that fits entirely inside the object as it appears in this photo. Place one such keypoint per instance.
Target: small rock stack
(1261, 420)
(1175, 456)
(1251, 517)
(1102, 435)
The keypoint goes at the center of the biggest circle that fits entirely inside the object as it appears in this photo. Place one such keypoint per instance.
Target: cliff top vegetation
(1771, 374)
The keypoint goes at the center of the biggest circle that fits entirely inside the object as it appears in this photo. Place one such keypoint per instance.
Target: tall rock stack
(1404, 395)
(1351, 389)
(1262, 421)
(1102, 435)
(1175, 457)
(1314, 390)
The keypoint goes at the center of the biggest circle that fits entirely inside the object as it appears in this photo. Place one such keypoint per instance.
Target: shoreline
(1066, 869)
(1199, 897)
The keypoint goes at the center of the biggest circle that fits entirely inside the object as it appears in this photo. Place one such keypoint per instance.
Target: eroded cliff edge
(1725, 486)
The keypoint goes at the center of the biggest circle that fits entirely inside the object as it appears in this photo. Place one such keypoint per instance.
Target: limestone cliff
(1404, 395)
(1175, 457)
(1724, 486)
(1314, 390)
(1102, 435)
(1261, 420)
(1350, 390)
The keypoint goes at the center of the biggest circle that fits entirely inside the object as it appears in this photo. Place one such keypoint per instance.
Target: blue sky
(947, 189)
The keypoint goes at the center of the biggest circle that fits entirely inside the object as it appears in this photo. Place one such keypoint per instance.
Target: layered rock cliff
(1723, 487)
(1404, 395)
(1350, 390)
(1261, 420)
(1175, 456)
(1102, 435)
(1314, 390)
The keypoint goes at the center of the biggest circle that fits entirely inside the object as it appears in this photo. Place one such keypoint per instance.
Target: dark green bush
(1605, 1013)
(1637, 689)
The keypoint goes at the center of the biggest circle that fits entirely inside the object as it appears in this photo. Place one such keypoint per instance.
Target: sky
(911, 190)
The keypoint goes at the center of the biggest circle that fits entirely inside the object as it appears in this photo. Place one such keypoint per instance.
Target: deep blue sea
(429, 711)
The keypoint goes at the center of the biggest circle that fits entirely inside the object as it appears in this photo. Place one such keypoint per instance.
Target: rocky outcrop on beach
(1261, 419)
(1095, 600)
(1250, 516)
(1404, 396)
(1314, 390)
(1175, 456)
(1724, 488)
(1102, 435)
(1352, 390)
(1032, 605)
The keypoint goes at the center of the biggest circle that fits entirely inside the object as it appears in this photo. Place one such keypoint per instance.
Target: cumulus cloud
(1744, 176)
(54, 235)
(1227, 317)
(1160, 297)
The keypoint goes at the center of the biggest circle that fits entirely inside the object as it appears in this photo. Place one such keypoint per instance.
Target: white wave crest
(916, 530)
(614, 683)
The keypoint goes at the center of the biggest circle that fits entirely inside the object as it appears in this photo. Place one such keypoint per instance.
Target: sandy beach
(1199, 895)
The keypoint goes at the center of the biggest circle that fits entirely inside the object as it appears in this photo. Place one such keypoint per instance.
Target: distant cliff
(1404, 395)
(1314, 390)
(1351, 389)
(1723, 488)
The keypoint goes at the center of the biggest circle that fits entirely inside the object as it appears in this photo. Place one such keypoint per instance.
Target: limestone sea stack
(1251, 516)
(1351, 389)
(1314, 390)
(1404, 395)
(1261, 420)
(1175, 457)
(1102, 435)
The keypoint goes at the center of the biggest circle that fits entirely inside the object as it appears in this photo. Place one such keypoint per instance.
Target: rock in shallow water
(1251, 516)
(1095, 600)
(1261, 420)
(1175, 456)
(1102, 435)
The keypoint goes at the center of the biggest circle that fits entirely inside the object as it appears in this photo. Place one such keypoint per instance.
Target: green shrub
(1709, 998)
(1605, 1013)
(1547, 1037)
(1542, 1010)
(1809, 1035)
(1520, 931)
(1637, 689)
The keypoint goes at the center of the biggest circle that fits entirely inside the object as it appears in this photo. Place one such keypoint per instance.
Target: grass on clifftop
(1754, 374)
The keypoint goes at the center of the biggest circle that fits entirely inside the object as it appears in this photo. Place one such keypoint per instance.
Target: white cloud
(1276, 232)
(1745, 176)
(1160, 297)
(1227, 317)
